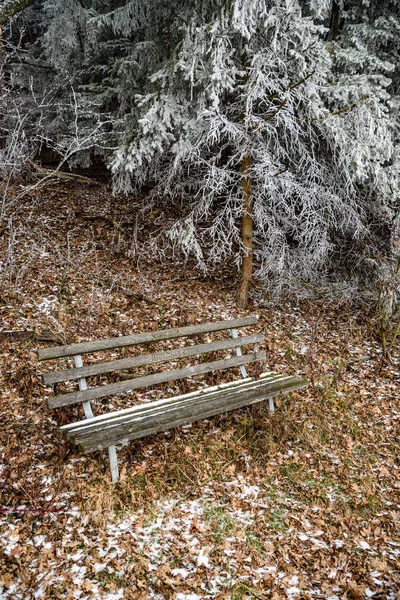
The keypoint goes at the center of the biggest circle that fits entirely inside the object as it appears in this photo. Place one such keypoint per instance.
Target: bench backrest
(80, 372)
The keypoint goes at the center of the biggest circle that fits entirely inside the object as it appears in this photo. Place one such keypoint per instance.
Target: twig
(295, 85)
(337, 112)
(104, 218)
(253, 592)
(219, 471)
(396, 333)
(23, 335)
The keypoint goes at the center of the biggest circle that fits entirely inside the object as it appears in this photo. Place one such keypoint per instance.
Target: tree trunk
(2, 61)
(334, 24)
(247, 235)
(2, 88)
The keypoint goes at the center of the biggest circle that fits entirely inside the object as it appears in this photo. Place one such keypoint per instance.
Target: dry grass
(328, 457)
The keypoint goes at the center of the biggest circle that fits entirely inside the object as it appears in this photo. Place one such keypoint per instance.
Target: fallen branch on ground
(61, 174)
(23, 335)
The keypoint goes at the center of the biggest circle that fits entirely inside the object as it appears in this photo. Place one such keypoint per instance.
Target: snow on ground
(300, 504)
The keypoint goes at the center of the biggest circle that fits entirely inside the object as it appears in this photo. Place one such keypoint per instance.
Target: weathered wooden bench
(106, 430)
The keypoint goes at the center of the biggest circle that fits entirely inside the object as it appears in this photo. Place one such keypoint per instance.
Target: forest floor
(301, 504)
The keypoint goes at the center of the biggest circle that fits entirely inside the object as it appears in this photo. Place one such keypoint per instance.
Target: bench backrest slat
(148, 380)
(142, 338)
(148, 359)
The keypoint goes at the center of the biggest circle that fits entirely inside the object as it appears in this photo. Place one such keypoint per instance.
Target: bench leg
(238, 349)
(83, 386)
(87, 409)
(112, 455)
(271, 405)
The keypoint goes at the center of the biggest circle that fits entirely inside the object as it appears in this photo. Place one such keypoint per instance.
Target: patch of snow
(203, 557)
(182, 572)
(364, 545)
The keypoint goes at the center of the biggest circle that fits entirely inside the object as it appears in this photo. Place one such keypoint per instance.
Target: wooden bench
(106, 430)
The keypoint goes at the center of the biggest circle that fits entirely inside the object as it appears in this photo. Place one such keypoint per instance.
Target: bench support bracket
(112, 453)
(238, 349)
(83, 386)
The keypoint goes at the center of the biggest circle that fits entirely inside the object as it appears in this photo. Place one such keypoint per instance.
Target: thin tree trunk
(2, 87)
(334, 24)
(2, 61)
(247, 235)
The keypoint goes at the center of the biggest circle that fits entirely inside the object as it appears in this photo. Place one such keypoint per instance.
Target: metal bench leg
(271, 405)
(112, 453)
(83, 386)
(238, 349)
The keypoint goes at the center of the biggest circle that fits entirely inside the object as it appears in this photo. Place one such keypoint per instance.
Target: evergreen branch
(32, 63)
(279, 108)
(295, 85)
(283, 102)
(272, 115)
(10, 8)
(346, 108)
(337, 112)
(281, 172)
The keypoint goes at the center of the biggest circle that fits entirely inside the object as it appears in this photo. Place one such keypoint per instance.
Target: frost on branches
(286, 111)
(259, 80)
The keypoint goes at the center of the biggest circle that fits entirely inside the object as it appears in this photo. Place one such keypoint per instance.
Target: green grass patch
(220, 522)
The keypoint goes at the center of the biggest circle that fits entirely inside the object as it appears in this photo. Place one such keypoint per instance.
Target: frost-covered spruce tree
(92, 58)
(270, 124)
(237, 129)
(366, 74)
(366, 71)
(64, 60)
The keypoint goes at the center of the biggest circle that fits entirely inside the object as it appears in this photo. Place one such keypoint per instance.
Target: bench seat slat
(155, 403)
(148, 359)
(185, 414)
(139, 412)
(148, 380)
(143, 338)
(203, 408)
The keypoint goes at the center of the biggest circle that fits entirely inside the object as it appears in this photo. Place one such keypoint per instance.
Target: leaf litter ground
(301, 504)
